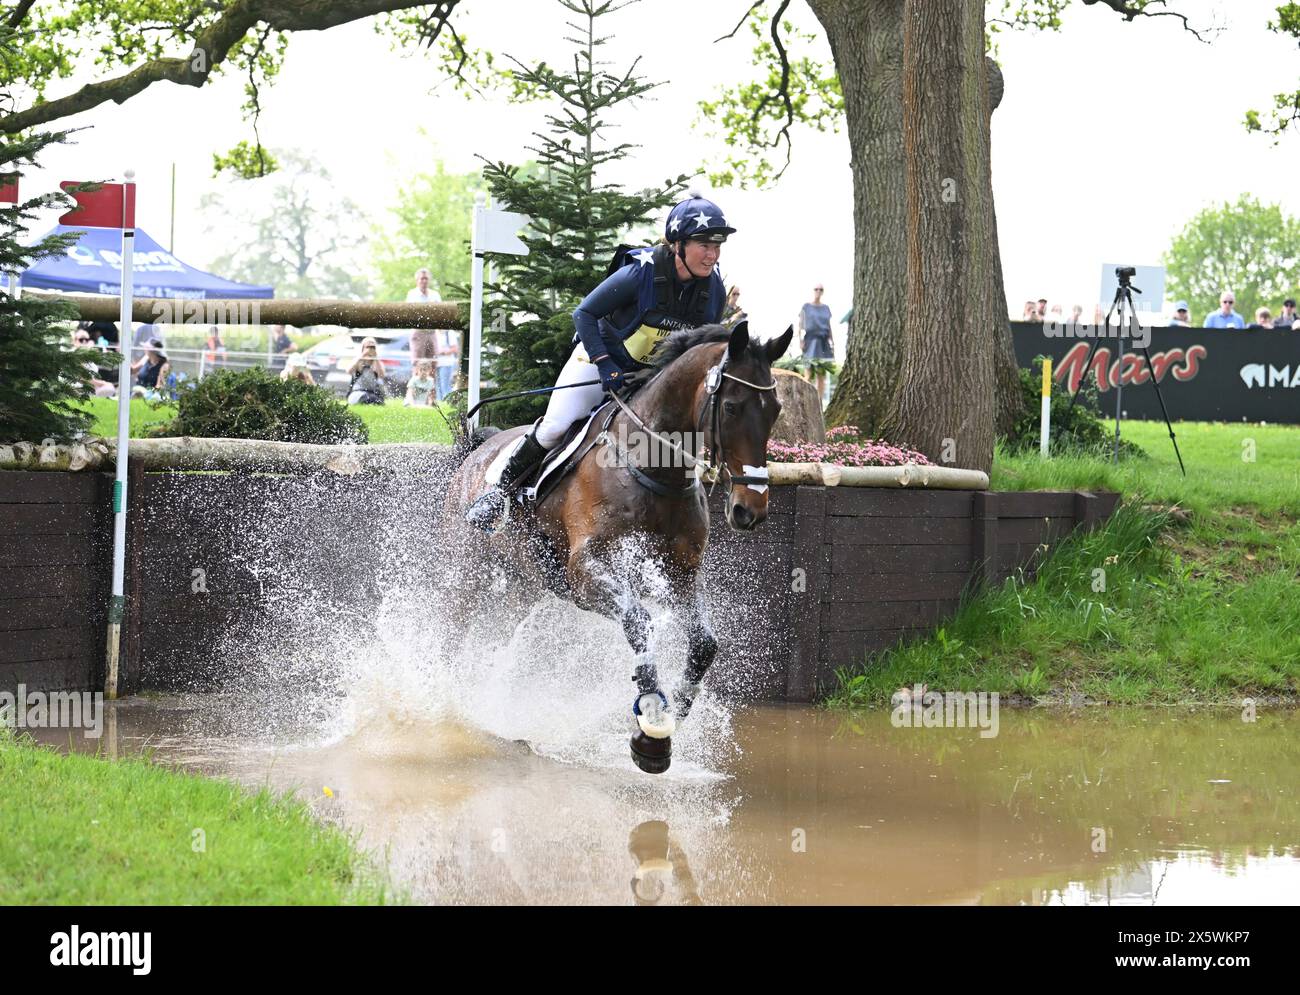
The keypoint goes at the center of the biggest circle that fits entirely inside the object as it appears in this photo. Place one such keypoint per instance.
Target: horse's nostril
(741, 515)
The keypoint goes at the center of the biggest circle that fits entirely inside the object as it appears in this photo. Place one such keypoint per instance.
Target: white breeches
(567, 406)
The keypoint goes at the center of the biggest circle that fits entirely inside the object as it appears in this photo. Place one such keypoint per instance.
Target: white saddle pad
(498, 463)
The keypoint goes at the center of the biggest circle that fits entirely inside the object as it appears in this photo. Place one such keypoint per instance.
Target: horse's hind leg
(595, 589)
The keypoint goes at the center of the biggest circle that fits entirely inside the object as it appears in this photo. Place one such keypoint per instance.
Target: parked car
(330, 359)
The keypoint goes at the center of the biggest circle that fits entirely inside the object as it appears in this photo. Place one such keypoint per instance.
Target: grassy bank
(387, 423)
(1199, 599)
(80, 830)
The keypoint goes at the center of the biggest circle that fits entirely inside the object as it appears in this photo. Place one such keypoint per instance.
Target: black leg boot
(485, 513)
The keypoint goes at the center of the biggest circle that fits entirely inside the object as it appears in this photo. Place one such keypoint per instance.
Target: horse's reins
(712, 404)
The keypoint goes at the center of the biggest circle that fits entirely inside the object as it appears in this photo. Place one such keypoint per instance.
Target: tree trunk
(865, 39)
(1009, 402)
(943, 403)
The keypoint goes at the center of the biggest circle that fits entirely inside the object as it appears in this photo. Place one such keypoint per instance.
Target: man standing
(1180, 318)
(281, 346)
(1288, 317)
(815, 327)
(1225, 317)
(421, 293)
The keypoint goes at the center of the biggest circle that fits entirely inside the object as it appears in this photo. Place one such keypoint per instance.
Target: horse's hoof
(652, 715)
(651, 754)
(486, 512)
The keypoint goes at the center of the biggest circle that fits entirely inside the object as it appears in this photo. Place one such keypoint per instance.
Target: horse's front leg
(596, 589)
(701, 644)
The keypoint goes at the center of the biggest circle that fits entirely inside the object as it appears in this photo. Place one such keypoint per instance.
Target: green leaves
(1250, 248)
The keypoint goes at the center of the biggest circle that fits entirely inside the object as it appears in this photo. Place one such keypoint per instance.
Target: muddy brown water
(803, 806)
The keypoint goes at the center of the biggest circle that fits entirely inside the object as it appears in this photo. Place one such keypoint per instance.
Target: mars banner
(1205, 374)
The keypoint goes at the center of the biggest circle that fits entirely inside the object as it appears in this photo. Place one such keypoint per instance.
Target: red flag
(110, 206)
(8, 188)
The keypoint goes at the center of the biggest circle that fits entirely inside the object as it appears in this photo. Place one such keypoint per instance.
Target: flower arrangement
(844, 446)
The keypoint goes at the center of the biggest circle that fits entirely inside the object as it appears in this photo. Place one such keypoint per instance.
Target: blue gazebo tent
(94, 266)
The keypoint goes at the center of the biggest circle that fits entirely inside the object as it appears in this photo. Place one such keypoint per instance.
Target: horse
(711, 387)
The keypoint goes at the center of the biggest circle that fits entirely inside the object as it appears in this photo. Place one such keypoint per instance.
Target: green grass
(388, 423)
(1202, 584)
(77, 830)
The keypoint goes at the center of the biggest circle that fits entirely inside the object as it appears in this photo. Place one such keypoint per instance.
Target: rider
(656, 291)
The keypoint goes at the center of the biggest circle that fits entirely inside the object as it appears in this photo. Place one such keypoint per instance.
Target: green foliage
(296, 232)
(808, 367)
(1081, 430)
(576, 225)
(256, 404)
(39, 381)
(245, 162)
(432, 218)
(1250, 248)
(752, 116)
(1286, 106)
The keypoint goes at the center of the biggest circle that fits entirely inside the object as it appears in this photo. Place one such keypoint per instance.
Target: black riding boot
(486, 512)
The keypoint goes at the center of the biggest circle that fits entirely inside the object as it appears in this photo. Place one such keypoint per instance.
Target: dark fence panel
(1205, 374)
(55, 549)
(224, 567)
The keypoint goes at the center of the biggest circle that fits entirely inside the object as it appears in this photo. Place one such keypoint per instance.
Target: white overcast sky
(1109, 137)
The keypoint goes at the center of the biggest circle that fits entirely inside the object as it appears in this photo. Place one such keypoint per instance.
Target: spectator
(731, 313)
(1181, 318)
(81, 340)
(1288, 317)
(816, 343)
(367, 375)
(1263, 318)
(1042, 309)
(1056, 316)
(1030, 312)
(447, 359)
(1076, 314)
(105, 332)
(151, 371)
(1225, 317)
(420, 389)
(420, 293)
(295, 368)
(214, 350)
(281, 346)
(144, 334)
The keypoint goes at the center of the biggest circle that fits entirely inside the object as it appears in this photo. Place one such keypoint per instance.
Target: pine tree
(577, 222)
(39, 380)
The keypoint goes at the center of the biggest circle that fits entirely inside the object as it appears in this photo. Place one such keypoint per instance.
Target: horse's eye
(730, 407)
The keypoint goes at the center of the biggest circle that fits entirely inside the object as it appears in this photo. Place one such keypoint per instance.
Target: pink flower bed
(844, 446)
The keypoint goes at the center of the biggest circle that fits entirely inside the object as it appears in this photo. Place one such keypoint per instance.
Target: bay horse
(712, 388)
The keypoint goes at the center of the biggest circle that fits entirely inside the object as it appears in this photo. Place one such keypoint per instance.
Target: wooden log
(912, 475)
(258, 456)
(299, 312)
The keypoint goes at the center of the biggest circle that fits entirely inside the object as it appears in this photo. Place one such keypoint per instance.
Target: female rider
(657, 291)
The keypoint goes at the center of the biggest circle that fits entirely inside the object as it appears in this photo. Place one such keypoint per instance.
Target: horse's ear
(739, 340)
(777, 347)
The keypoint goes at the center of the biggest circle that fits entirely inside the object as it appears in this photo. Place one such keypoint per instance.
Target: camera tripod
(1124, 301)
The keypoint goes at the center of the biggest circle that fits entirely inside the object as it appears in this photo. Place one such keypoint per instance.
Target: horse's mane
(677, 344)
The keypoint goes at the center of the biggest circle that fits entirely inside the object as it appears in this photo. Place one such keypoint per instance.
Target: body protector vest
(662, 305)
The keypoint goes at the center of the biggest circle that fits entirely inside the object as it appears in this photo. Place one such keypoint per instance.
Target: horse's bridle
(712, 405)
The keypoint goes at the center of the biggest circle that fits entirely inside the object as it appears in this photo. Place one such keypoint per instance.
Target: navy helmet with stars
(696, 217)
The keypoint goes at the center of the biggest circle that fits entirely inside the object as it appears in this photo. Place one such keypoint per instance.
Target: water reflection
(1090, 807)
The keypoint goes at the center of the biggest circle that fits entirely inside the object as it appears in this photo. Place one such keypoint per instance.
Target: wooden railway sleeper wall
(837, 571)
